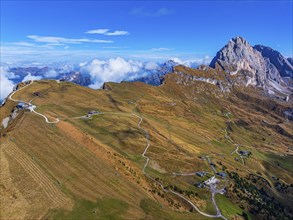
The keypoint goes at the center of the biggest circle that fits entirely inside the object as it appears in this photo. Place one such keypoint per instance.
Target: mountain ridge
(259, 65)
(133, 145)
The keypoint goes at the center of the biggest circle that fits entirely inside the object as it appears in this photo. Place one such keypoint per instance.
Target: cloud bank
(95, 71)
(6, 85)
(114, 70)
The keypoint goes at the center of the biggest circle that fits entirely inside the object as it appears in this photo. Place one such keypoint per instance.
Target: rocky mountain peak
(238, 55)
(238, 41)
(258, 66)
(282, 64)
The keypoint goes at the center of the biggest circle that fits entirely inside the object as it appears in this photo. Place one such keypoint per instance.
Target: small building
(93, 112)
(212, 180)
(24, 105)
(244, 153)
(21, 105)
(199, 185)
(201, 174)
(222, 174)
(275, 178)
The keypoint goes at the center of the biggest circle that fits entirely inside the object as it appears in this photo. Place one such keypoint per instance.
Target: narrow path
(46, 119)
(218, 215)
(236, 151)
(148, 143)
(232, 142)
(210, 163)
(47, 187)
(10, 96)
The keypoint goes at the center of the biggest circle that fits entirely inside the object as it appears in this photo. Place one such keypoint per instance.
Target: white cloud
(160, 12)
(160, 49)
(51, 73)
(30, 77)
(115, 47)
(114, 70)
(117, 33)
(151, 66)
(192, 62)
(6, 85)
(106, 32)
(62, 40)
(24, 44)
(97, 31)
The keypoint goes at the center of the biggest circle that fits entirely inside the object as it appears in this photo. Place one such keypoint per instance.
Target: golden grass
(91, 159)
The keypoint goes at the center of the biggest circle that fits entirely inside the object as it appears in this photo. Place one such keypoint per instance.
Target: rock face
(239, 55)
(290, 60)
(283, 65)
(258, 66)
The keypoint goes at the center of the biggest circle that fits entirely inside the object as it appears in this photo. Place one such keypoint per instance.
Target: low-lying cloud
(114, 70)
(29, 76)
(96, 71)
(192, 62)
(6, 85)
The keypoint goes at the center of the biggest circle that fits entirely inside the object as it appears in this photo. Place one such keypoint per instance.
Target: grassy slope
(97, 162)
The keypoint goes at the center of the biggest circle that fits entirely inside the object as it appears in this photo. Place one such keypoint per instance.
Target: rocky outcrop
(238, 55)
(188, 79)
(283, 65)
(106, 86)
(257, 66)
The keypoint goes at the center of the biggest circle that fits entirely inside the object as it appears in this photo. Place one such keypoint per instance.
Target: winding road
(232, 142)
(236, 151)
(32, 107)
(213, 190)
(212, 187)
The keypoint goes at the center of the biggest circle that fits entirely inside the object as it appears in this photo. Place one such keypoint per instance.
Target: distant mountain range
(257, 65)
(211, 141)
(155, 77)
(49, 73)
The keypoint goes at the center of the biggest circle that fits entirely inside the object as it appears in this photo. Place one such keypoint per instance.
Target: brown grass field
(91, 168)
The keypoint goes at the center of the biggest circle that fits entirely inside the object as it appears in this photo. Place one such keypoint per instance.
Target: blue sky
(81, 30)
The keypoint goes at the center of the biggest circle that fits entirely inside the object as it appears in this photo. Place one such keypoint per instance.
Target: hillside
(100, 165)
